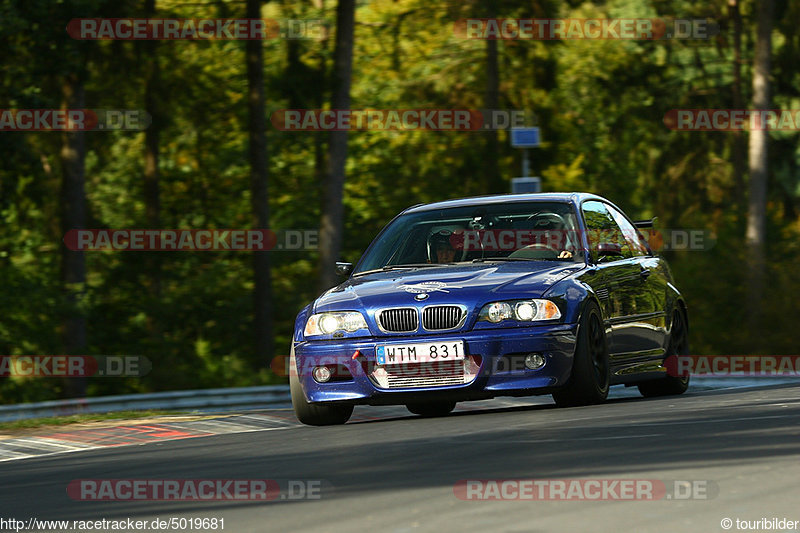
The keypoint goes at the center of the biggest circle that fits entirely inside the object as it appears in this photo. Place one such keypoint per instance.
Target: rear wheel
(591, 373)
(678, 345)
(431, 409)
(314, 414)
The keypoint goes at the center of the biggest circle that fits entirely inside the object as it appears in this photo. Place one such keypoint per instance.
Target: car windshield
(511, 231)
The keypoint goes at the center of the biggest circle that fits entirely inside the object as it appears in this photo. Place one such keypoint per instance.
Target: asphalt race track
(390, 471)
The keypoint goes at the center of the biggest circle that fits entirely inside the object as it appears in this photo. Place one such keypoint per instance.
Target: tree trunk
(759, 166)
(262, 292)
(331, 226)
(73, 216)
(320, 95)
(152, 200)
(494, 182)
(739, 148)
(152, 93)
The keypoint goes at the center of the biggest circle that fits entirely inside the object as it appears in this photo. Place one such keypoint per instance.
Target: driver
(440, 249)
(552, 229)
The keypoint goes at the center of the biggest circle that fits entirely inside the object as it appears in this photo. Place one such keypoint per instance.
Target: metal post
(525, 163)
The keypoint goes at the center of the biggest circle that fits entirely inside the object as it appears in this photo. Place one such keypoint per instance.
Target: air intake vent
(441, 317)
(401, 320)
(437, 374)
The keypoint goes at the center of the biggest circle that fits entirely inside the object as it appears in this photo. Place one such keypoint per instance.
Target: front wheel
(678, 345)
(591, 373)
(314, 414)
(431, 409)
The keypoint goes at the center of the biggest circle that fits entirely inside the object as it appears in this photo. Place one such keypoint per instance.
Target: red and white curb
(131, 433)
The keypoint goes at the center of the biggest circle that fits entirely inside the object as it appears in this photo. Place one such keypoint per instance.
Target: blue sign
(525, 137)
(526, 185)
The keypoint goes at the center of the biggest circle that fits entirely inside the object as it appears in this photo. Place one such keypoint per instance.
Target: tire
(678, 345)
(591, 374)
(314, 414)
(431, 409)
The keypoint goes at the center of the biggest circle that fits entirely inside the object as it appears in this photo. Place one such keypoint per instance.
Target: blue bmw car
(510, 295)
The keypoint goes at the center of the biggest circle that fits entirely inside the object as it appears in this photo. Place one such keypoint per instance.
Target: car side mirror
(608, 249)
(645, 224)
(344, 269)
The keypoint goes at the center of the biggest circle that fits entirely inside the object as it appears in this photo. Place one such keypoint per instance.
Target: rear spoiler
(644, 224)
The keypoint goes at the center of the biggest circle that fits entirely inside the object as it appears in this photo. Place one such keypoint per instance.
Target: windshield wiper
(400, 267)
(484, 259)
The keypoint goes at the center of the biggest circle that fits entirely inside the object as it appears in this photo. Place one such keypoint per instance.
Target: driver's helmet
(550, 228)
(441, 238)
(548, 221)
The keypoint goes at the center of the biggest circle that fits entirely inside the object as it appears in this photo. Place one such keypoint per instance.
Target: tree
(494, 183)
(152, 102)
(330, 235)
(259, 180)
(759, 163)
(73, 216)
(738, 151)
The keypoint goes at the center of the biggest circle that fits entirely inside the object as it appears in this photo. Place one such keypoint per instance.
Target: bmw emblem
(421, 296)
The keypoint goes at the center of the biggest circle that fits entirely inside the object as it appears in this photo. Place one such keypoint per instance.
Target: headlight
(498, 311)
(327, 323)
(520, 310)
(525, 310)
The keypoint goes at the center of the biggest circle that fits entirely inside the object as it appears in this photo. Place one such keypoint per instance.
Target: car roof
(571, 197)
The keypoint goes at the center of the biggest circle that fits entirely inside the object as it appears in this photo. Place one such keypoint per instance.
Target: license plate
(397, 354)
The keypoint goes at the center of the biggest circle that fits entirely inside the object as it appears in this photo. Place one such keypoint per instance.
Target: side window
(603, 229)
(629, 232)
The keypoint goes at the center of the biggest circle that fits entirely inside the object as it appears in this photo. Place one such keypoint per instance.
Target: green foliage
(600, 105)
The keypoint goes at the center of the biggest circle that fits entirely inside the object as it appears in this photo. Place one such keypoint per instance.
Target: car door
(649, 310)
(627, 303)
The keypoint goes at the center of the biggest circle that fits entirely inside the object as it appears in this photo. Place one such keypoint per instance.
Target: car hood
(464, 284)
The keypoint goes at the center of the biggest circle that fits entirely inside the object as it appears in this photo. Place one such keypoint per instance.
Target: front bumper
(490, 349)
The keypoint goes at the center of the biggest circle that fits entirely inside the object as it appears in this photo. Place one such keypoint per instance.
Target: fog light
(534, 361)
(322, 374)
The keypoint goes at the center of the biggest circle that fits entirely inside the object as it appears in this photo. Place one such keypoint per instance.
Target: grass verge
(29, 423)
